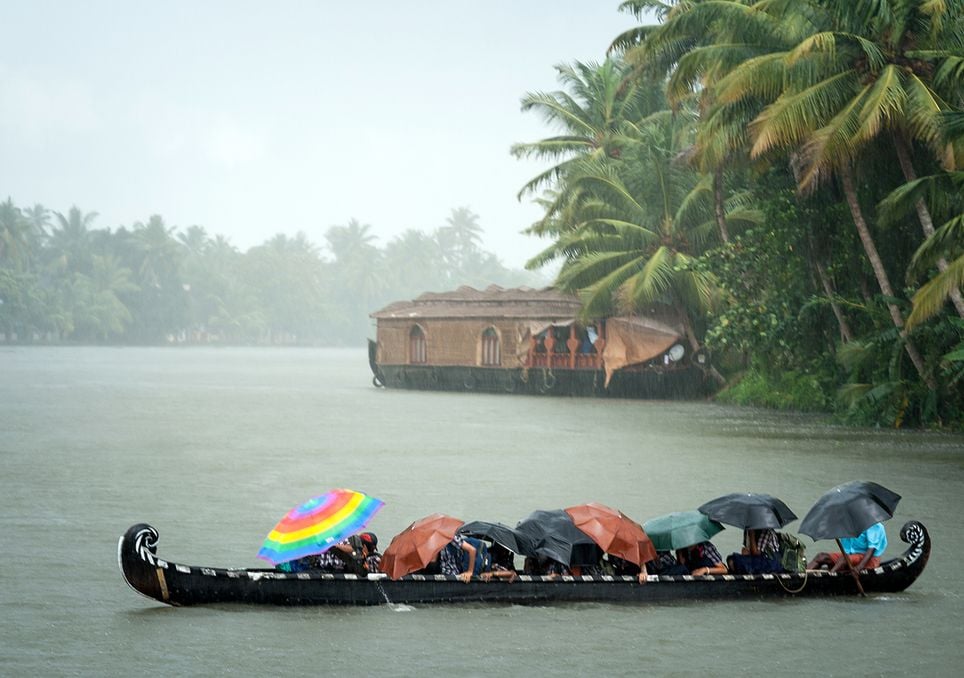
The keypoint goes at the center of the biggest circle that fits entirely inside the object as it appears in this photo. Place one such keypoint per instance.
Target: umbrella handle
(850, 566)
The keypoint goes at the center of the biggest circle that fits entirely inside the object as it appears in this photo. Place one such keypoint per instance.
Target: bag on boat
(792, 550)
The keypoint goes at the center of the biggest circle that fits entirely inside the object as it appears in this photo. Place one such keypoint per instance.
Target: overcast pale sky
(256, 118)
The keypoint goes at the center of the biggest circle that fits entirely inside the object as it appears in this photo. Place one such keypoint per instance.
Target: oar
(850, 565)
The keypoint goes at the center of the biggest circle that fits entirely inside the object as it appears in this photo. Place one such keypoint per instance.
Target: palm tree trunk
(718, 203)
(923, 214)
(846, 175)
(845, 334)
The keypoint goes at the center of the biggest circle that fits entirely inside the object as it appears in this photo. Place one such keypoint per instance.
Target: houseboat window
(417, 353)
(491, 353)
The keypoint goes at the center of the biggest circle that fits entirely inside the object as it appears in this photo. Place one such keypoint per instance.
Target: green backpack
(792, 557)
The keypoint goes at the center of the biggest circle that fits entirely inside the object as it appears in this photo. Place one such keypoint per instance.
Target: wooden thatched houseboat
(527, 340)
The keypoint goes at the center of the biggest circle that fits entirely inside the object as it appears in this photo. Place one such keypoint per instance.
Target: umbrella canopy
(681, 529)
(555, 536)
(749, 510)
(318, 524)
(613, 531)
(501, 534)
(849, 509)
(416, 546)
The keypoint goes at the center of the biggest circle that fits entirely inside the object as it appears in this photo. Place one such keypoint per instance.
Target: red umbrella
(613, 531)
(416, 546)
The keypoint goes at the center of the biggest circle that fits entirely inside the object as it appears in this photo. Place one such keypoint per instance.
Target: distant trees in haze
(62, 279)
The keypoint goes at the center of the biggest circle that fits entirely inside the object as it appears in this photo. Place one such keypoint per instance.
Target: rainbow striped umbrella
(319, 524)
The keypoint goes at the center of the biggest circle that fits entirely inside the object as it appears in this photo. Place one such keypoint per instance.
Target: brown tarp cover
(634, 340)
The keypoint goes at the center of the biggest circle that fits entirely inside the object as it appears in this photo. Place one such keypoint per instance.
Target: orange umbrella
(613, 531)
(416, 546)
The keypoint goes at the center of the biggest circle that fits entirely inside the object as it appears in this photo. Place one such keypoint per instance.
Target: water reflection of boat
(532, 341)
(177, 584)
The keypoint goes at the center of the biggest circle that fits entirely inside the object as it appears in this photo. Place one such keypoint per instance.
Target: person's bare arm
(469, 549)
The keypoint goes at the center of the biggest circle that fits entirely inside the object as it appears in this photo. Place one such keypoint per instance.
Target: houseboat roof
(492, 302)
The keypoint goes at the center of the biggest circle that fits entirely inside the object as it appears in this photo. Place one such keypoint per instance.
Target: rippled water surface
(212, 446)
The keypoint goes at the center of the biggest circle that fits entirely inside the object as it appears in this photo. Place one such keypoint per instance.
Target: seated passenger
(372, 558)
(625, 568)
(452, 559)
(760, 554)
(702, 559)
(501, 564)
(621, 567)
(863, 551)
(545, 567)
(667, 565)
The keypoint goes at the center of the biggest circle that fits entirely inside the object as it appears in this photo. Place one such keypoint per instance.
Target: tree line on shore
(62, 280)
(788, 175)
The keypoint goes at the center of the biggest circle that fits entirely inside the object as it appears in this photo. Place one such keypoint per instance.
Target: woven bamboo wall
(449, 341)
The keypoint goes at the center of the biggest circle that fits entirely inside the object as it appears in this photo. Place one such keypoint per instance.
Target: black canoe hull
(671, 383)
(177, 584)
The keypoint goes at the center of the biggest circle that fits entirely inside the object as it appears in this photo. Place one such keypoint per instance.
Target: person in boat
(624, 568)
(501, 564)
(453, 561)
(666, 564)
(701, 559)
(760, 553)
(370, 555)
(542, 566)
(357, 554)
(863, 551)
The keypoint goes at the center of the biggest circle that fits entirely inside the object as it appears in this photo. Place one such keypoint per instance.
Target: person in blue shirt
(863, 551)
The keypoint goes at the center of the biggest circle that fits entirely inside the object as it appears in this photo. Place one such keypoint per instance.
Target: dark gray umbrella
(749, 510)
(849, 509)
(555, 536)
(513, 540)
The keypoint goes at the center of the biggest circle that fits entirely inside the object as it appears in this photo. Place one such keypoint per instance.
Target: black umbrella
(749, 510)
(849, 509)
(513, 540)
(555, 536)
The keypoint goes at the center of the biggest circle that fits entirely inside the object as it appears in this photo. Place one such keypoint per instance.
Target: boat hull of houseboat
(671, 383)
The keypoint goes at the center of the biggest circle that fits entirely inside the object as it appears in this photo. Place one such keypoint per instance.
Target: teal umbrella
(681, 529)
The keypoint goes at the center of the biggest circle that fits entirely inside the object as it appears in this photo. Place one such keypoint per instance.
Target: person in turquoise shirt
(863, 551)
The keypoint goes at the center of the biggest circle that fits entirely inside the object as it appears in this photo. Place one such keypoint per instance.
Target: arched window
(417, 353)
(491, 353)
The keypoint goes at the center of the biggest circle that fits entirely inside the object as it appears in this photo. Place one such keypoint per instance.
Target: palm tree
(350, 241)
(414, 263)
(96, 307)
(460, 237)
(943, 192)
(14, 235)
(875, 76)
(830, 95)
(70, 240)
(158, 252)
(598, 102)
(195, 239)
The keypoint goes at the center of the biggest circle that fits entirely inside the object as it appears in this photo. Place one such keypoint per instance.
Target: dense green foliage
(787, 175)
(62, 280)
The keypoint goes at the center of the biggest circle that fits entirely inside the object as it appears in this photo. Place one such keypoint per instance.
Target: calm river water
(212, 446)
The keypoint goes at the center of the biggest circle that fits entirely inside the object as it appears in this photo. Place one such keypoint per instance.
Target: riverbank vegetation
(63, 280)
(787, 174)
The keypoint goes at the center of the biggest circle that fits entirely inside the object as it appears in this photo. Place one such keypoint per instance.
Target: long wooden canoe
(177, 584)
